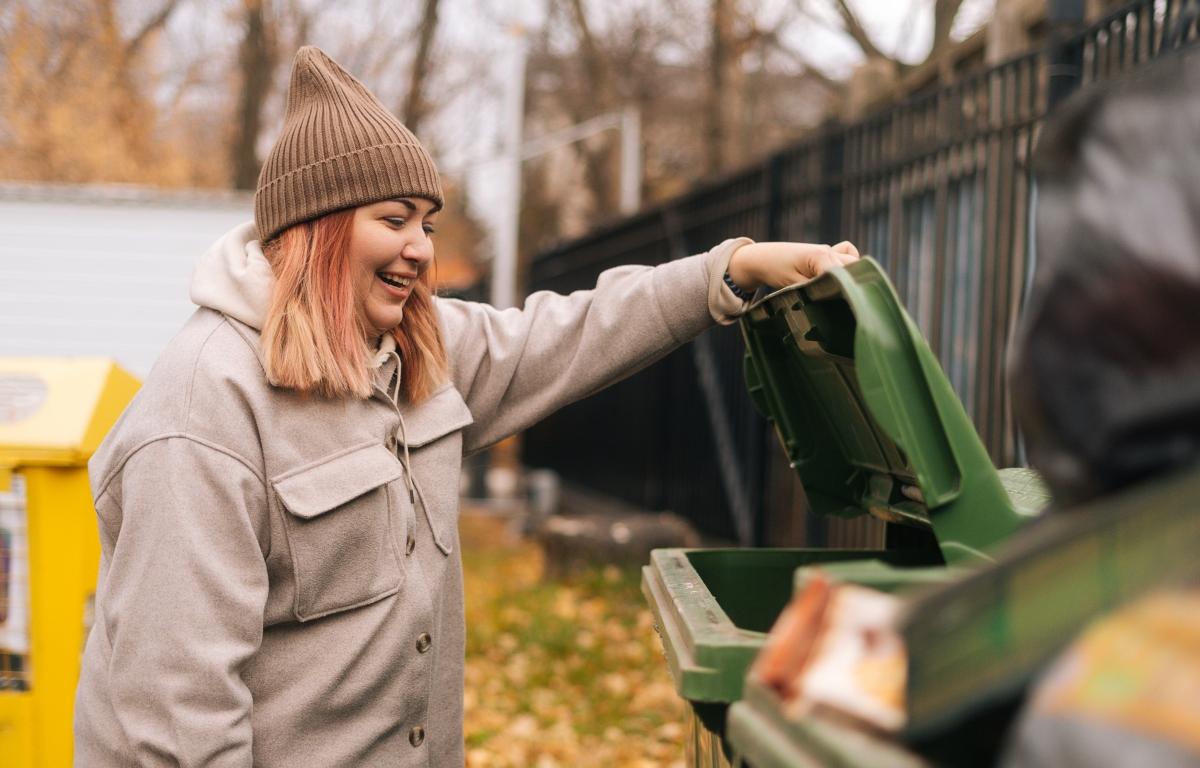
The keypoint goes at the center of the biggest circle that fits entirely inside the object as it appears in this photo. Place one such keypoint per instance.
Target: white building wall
(87, 271)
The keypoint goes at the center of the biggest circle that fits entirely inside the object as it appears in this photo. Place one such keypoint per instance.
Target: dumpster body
(975, 642)
(53, 415)
(865, 415)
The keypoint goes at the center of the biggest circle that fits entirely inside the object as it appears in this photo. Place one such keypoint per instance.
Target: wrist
(740, 293)
(741, 269)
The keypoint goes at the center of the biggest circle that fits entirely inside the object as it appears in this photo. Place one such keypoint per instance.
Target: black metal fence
(938, 189)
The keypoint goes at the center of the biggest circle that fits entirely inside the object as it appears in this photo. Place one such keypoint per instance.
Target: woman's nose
(420, 254)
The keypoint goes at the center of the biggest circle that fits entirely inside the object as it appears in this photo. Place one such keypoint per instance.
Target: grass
(562, 672)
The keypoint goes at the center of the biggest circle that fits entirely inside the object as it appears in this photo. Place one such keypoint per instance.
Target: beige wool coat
(271, 592)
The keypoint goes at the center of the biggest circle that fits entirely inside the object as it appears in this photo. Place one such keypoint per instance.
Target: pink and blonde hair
(314, 336)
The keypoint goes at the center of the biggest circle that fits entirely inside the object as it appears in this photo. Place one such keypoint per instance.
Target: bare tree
(706, 76)
(256, 63)
(150, 26)
(75, 91)
(600, 96)
(415, 106)
(944, 14)
(719, 57)
(735, 33)
(126, 51)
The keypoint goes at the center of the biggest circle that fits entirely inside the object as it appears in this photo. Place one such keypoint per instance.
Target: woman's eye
(429, 229)
(395, 221)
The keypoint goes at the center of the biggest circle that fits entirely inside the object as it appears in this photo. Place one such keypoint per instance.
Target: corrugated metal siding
(82, 274)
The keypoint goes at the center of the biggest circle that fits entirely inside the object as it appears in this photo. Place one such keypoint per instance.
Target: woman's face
(390, 245)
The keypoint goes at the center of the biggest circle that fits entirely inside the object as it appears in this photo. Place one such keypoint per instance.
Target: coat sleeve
(182, 599)
(516, 366)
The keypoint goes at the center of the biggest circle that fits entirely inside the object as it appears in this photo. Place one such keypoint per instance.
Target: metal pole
(569, 135)
(1065, 66)
(504, 264)
(631, 160)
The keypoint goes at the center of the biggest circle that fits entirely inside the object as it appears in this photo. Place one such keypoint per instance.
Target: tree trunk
(727, 85)
(599, 160)
(1006, 33)
(718, 66)
(944, 13)
(415, 106)
(256, 59)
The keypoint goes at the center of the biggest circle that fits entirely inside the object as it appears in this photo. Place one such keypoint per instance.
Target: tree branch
(774, 42)
(944, 13)
(591, 54)
(153, 24)
(858, 32)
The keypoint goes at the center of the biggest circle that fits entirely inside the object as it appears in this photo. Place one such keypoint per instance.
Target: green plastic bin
(975, 643)
(862, 409)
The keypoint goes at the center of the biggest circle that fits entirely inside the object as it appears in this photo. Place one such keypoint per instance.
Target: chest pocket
(340, 517)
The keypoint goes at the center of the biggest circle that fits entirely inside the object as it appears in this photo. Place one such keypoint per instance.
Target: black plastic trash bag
(1106, 367)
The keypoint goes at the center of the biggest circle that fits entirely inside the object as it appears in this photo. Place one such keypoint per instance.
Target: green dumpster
(974, 643)
(865, 415)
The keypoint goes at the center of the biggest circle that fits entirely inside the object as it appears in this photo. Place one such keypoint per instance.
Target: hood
(234, 278)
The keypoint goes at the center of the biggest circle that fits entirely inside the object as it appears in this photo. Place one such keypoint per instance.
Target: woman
(280, 583)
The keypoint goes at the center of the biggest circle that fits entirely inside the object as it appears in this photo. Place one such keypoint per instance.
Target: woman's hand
(780, 264)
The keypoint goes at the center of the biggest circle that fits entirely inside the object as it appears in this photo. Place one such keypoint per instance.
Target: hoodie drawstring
(403, 438)
(414, 490)
(437, 539)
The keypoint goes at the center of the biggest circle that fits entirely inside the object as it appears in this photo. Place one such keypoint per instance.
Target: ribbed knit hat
(340, 147)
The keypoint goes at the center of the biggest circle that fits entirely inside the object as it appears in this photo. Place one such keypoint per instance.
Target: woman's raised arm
(517, 366)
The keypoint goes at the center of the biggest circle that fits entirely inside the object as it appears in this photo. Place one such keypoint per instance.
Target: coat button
(416, 736)
(424, 642)
(411, 545)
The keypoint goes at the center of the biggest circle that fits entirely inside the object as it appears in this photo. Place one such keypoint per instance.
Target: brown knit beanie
(340, 147)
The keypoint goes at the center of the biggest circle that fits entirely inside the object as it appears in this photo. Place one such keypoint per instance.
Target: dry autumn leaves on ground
(560, 672)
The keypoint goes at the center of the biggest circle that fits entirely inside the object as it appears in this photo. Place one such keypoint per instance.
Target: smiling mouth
(395, 280)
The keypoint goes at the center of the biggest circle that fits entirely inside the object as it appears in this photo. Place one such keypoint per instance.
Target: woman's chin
(383, 322)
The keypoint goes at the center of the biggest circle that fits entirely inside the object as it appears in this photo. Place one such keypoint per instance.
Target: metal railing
(938, 189)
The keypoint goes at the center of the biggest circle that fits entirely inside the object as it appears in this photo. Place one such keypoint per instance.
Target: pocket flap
(333, 481)
(443, 412)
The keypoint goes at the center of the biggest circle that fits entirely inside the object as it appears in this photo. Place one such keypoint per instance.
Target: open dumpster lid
(863, 410)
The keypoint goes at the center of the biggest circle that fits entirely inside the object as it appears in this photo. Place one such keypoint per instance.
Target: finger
(846, 247)
(846, 252)
(822, 259)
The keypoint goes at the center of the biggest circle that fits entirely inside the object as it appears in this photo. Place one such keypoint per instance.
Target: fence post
(833, 185)
(1065, 62)
(774, 198)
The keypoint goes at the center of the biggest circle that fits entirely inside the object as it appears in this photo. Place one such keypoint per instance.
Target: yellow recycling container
(53, 414)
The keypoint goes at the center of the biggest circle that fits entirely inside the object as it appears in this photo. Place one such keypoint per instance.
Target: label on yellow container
(21, 396)
(14, 588)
